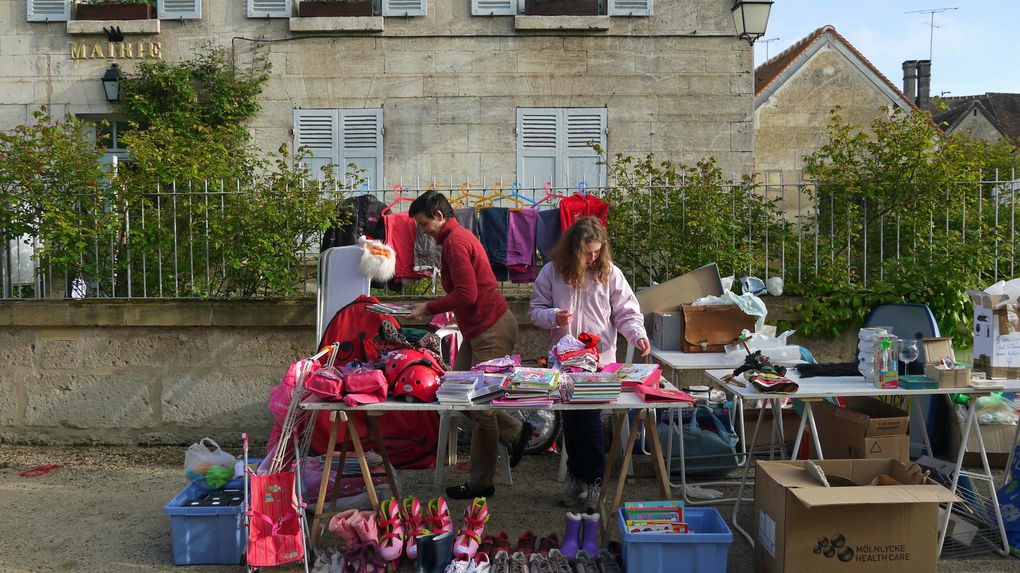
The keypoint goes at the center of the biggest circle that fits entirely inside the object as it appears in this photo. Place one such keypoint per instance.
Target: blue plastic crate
(206, 535)
(703, 551)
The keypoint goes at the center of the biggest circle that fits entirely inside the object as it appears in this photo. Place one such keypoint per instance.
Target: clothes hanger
(549, 194)
(498, 195)
(582, 189)
(516, 194)
(465, 193)
(397, 189)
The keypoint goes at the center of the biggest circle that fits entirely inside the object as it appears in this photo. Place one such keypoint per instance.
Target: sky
(975, 46)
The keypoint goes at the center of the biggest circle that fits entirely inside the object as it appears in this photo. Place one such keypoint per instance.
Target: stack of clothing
(590, 387)
(530, 387)
(466, 388)
(579, 354)
(504, 365)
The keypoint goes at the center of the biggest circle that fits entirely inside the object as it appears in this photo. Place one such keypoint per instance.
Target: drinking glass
(908, 352)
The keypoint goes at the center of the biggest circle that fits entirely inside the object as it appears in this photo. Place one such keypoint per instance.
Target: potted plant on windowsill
(561, 7)
(319, 8)
(113, 10)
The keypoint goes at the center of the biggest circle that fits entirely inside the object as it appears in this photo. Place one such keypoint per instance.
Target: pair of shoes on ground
(581, 533)
(603, 562)
(577, 492)
(526, 544)
(516, 451)
(359, 532)
(401, 523)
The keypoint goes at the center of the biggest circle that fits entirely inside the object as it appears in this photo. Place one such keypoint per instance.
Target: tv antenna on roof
(931, 35)
(767, 41)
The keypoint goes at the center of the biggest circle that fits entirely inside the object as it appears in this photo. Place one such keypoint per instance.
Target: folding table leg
(656, 452)
(352, 431)
(618, 420)
(622, 481)
(807, 418)
(321, 500)
(748, 462)
(373, 426)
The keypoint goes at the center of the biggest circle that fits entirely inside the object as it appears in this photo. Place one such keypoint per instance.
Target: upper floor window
(561, 7)
(339, 138)
(554, 146)
(306, 8)
(63, 10)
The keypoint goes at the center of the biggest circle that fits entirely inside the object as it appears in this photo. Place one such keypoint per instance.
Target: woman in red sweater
(488, 326)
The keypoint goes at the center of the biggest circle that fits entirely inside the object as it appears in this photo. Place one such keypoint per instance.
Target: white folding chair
(340, 283)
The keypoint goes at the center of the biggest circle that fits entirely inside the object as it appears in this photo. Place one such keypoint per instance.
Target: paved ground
(102, 510)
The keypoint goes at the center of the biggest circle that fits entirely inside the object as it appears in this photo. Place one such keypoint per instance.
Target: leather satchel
(708, 328)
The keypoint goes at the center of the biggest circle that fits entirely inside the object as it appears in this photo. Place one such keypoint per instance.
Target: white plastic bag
(211, 465)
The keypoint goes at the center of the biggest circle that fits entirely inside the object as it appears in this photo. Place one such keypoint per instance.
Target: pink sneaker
(470, 535)
(414, 524)
(437, 517)
(391, 531)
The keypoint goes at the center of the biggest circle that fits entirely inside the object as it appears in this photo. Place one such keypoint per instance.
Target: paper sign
(1006, 351)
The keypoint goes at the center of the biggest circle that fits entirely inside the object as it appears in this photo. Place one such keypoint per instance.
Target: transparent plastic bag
(211, 467)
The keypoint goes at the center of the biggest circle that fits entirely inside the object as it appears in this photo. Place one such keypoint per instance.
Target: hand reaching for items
(643, 346)
(418, 312)
(563, 317)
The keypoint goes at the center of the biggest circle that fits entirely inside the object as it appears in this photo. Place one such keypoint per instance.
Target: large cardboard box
(996, 335)
(679, 291)
(866, 428)
(806, 527)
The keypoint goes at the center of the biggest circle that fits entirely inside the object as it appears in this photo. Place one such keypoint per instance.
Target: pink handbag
(327, 382)
(364, 386)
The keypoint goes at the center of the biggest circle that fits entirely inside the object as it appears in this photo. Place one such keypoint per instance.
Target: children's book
(634, 374)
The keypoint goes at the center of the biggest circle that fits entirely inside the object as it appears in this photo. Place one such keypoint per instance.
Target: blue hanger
(581, 188)
(515, 194)
(363, 188)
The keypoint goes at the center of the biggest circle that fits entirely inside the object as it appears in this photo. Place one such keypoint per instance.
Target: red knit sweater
(472, 291)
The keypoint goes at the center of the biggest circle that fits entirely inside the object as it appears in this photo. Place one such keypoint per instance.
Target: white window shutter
(361, 143)
(49, 10)
(404, 7)
(493, 7)
(630, 7)
(584, 126)
(317, 131)
(269, 8)
(538, 146)
(179, 9)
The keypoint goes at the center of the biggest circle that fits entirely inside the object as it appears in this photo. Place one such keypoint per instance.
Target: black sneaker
(516, 447)
(469, 491)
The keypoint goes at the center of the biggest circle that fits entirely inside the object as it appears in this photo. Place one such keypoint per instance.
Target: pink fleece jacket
(602, 309)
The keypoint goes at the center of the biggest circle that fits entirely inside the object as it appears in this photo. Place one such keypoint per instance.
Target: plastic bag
(1009, 503)
(209, 466)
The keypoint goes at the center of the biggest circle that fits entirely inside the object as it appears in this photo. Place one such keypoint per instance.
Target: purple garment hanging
(520, 247)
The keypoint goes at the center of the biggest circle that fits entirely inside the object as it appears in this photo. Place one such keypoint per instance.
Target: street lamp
(751, 18)
(111, 83)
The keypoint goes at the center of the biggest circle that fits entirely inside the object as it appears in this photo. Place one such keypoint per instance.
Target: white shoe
(457, 566)
(591, 499)
(572, 493)
(481, 565)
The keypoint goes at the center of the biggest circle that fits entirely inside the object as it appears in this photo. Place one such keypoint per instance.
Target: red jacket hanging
(581, 205)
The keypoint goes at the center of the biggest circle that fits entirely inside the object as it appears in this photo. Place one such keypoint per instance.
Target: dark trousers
(586, 448)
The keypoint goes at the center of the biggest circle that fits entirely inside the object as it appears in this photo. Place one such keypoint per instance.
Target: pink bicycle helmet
(413, 375)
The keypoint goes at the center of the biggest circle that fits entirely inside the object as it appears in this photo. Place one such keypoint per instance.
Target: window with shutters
(269, 8)
(106, 131)
(404, 7)
(179, 9)
(60, 10)
(341, 140)
(560, 8)
(554, 145)
(49, 10)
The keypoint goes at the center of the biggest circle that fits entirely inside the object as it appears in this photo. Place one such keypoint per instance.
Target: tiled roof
(1002, 109)
(769, 72)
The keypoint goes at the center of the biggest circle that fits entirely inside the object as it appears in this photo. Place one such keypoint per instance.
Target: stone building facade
(455, 90)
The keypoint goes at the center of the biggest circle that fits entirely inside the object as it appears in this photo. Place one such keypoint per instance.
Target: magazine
(390, 309)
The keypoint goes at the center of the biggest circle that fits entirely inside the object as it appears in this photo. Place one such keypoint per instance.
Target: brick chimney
(924, 84)
(910, 80)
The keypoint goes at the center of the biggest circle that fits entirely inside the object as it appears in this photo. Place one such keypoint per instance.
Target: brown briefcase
(709, 327)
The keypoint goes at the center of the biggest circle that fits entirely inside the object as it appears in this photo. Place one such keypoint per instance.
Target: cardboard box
(806, 527)
(996, 335)
(867, 428)
(998, 440)
(666, 330)
(935, 349)
(678, 291)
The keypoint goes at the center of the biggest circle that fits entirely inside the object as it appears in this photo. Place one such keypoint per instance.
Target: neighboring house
(794, 94)
(991, 116)
(451, 90)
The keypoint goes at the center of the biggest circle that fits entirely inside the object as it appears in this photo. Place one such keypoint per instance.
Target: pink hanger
(549, 194)
(397, 189)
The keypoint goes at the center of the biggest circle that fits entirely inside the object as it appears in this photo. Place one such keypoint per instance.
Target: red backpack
(410, 436)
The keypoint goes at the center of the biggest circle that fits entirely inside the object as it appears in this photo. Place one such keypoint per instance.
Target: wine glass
(908, 352)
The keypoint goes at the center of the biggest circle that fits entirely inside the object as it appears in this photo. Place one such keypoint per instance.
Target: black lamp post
(751, 17)
(111, 83)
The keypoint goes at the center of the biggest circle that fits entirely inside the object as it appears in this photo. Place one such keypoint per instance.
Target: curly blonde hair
(569, 257)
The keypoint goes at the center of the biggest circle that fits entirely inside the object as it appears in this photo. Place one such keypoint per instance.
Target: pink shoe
(391, 531)
(339, 526)
(437, 517)
(470, 535)
(414, 524)
(366, 531)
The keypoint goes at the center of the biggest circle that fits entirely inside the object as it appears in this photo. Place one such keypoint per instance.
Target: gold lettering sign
(118, 51)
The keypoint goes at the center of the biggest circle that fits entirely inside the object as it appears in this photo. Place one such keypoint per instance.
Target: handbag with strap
(708, 328)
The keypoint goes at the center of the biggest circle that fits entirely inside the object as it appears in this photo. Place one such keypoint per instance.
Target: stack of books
(632, 375)
(655, 517)
(389, 309)
(589, 387)
(535, 387)
(466, 388)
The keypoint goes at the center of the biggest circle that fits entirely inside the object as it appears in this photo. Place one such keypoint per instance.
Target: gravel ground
(102, 510)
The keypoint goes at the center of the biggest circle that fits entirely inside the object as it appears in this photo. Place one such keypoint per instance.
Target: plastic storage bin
(206, 535)
(703, 551)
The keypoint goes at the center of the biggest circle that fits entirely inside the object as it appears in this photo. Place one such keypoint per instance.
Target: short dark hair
(430, 203)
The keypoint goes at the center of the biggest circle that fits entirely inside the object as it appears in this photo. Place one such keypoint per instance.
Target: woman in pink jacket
(581, 290)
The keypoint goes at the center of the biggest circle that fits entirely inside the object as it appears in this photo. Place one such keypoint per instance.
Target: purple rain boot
(590, 533)
(571, 536)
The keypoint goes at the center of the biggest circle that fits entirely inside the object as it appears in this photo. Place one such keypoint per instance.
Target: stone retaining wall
(170, 372)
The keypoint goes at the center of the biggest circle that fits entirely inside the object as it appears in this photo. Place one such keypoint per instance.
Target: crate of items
(207, 527)
(703, 549)
(946, 372)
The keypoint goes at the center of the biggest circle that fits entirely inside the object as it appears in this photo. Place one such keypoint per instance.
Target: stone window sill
(337, 24)
(589, 23)
(83, 27)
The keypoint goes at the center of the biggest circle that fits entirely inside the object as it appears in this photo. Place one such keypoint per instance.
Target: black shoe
(469, 491)
(517, 446)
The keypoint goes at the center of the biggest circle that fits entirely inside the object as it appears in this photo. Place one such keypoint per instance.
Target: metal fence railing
(189, 241)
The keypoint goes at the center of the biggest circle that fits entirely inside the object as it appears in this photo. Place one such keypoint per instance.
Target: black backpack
(364, 214)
